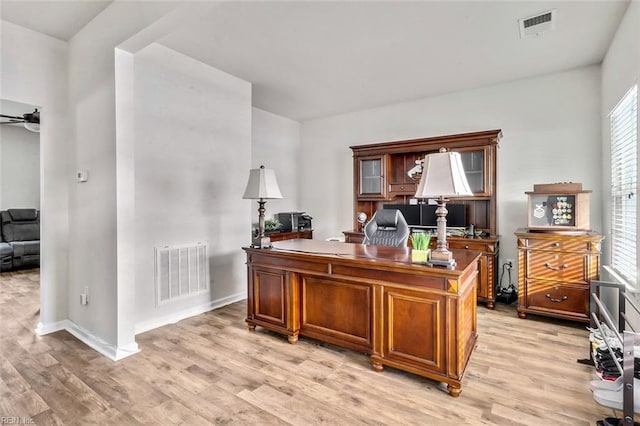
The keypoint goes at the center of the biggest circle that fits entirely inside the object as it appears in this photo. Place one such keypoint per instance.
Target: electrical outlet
(84, 297)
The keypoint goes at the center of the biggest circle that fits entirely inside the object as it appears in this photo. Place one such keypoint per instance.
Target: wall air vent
(538, 24)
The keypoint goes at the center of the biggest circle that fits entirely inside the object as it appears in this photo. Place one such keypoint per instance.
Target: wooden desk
(370, 299)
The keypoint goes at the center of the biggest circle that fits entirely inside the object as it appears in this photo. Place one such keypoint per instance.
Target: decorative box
(558, 207)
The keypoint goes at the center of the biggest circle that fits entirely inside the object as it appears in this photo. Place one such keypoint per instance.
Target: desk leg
(377, 366)
(251, 327)
(454, 390)
(293, 339)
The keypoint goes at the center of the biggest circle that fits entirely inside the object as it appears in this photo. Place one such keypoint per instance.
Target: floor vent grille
(180, 271)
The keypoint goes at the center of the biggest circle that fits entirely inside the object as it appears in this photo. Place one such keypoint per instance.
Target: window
(624, 185)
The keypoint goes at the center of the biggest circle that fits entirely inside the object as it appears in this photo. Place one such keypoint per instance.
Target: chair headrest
(387, 218)
(23, 214)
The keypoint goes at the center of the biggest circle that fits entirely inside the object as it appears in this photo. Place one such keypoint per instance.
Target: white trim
(42, 329)
(619, 278)
(112, 352)
(174, 317)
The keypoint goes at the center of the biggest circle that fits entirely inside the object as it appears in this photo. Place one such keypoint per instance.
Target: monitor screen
(455, 217)
(410, 212)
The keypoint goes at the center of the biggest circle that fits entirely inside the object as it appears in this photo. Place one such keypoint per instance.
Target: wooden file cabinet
(554, 273)
(487, 264)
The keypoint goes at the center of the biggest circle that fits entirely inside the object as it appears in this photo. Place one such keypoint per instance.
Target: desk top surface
(396, 257)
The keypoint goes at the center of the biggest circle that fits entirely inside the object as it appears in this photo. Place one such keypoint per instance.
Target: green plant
(420, 240)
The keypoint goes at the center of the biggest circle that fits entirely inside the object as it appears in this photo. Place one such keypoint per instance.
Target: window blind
(624, 185)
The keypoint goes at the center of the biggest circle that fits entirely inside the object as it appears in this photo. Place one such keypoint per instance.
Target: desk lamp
(262, 185)
(442, 176)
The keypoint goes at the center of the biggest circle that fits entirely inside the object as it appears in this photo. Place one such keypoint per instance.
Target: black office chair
(387, 227)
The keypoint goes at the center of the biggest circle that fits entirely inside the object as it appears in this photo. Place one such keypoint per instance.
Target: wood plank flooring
(210, 369)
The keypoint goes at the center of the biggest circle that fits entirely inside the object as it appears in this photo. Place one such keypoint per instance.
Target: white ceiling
(315, 58)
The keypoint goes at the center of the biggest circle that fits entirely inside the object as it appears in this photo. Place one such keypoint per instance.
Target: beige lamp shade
(443, 176)
(262, 184)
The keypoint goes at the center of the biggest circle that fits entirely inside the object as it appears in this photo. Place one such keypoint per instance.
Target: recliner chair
(21, 231)
(387, 227)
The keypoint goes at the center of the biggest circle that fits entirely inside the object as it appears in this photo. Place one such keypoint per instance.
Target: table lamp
(262, 185)
(442, 176)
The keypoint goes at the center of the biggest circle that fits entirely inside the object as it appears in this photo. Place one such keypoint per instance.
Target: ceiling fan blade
(15, 117)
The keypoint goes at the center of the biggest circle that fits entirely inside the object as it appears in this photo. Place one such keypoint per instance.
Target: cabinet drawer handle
(466, 247)
(548, 296)
(555, 245)
(553, 268)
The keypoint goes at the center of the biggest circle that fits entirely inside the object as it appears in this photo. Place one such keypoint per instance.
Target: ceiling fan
(30, 120)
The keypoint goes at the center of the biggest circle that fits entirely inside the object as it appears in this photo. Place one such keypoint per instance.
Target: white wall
(192, 156)
(276, 145)
(34, 71)
(19, 168)
(620, 71)
(93, 210)
(551, 131)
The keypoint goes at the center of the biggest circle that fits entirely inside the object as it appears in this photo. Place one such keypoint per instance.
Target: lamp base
(449, 264)
(441, 257)
(261, 243)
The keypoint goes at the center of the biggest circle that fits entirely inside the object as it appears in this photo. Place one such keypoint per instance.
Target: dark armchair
(20, 245)
(387, 227)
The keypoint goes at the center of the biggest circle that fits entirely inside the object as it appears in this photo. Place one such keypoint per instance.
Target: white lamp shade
(262, 184)
(443, 175)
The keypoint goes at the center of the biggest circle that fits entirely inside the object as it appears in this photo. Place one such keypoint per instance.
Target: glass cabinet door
(372, 182)
(474, 163)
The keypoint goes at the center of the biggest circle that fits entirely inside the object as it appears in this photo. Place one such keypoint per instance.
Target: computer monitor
(410, 212)
(455, 217)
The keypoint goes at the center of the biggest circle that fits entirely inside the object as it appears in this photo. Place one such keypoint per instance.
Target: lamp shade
(262, 184)
(443, 176)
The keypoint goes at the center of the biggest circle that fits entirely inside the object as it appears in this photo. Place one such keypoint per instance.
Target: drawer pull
(548, 296)
(555, 244)
(466, 247)
(553, 268)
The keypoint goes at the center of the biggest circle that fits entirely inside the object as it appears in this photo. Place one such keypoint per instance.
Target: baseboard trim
(42, 328)
(174, 317)
(113, 352)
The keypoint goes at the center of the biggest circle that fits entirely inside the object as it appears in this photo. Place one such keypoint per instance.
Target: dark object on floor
(507, 295)
(20, 244)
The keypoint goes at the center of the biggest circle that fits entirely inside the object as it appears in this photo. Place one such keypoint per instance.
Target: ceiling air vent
(538, 24)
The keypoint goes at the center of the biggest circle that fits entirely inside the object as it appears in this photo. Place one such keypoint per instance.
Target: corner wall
(276, 145)
(551, 131)
(192, 157)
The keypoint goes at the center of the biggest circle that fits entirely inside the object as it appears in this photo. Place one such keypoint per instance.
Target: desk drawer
(403, 188)
(470, 245)
(557, 297)
(556, 266)
(560, 245)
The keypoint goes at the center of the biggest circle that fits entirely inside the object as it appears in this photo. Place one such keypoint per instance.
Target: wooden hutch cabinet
(380, 177)
(555, 270)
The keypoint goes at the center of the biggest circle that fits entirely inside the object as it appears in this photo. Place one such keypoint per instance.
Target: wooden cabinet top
(489, 137)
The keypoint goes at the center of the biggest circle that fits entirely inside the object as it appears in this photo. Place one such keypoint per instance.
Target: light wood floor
(210, 370)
